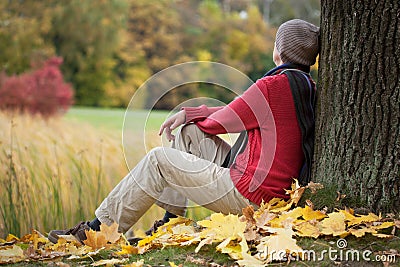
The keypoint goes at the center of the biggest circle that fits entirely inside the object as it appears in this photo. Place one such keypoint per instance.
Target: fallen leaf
(314, 187)
(307, 229)
(139, 263)
(110, 262)
(110, 232)
(334, 224)
(382, 235)
(264, 218)
(309, 203)
(172, 264)
(287, 218)
(11, 254)
(362, 219)
(206, 241)
(382, 225)
(127, 250)
(95, 239)
(182, 229)
(250, 261)
(278, 246)
(340, 196)
(309, 214)
(296, 192)
(222, 226)
(359, 232)
(248, 212)
(11, 237)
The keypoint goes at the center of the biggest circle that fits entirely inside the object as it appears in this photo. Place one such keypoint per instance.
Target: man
(276, 118)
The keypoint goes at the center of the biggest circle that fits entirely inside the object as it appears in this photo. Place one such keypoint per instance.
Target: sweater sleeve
(248, 111)
(199, 113)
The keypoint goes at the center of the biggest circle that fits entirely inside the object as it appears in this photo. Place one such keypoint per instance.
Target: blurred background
(68, 69)
(109, 48)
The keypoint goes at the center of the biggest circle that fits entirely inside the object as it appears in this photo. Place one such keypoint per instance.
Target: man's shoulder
(272, 81)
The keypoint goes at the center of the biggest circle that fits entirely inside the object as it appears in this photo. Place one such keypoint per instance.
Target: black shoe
(78, 231)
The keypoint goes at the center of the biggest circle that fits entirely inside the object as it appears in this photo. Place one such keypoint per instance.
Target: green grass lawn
(113, 119)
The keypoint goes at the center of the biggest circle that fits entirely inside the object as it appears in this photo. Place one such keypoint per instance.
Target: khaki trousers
(190, 169)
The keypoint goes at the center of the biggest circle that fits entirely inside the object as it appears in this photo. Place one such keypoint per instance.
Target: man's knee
(190, 129)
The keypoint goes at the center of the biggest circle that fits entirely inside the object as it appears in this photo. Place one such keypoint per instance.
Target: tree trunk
(357, 148)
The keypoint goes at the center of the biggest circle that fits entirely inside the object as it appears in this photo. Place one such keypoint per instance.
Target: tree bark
(357, 148)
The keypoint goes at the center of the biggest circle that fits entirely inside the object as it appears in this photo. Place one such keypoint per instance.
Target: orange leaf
(95, 240)
(296, 192)
(248, 212)
(110, 232)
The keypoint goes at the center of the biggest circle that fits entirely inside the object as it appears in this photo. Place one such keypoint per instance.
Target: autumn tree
(86, 35)
(23, 27)
(357, 148)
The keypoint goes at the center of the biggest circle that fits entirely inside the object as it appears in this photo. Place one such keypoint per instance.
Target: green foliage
(110, 48)
(87, 34)
(23, 26)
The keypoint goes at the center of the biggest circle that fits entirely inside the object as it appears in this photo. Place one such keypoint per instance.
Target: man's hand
(172, 123)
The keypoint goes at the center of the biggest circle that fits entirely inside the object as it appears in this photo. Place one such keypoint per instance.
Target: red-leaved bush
(41, 91)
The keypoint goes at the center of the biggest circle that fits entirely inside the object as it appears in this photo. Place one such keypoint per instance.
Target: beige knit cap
(297, 42)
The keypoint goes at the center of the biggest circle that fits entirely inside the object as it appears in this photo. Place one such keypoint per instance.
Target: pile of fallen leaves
(252, 239)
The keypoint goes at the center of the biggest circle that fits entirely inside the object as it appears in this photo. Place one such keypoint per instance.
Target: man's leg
(199, 180)
(192, 140)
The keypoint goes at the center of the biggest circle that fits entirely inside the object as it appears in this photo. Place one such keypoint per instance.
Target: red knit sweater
(273, 155)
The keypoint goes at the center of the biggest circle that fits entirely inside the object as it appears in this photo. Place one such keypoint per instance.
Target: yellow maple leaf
(276, 247)
(383, 225)
(95, 239)
(371, 217)
(128, 249)
(110, 232)
(307, 229)
(359, 232)
(182, 229)
(277, 205)
(286, 219)
(167, 227)
(310, 214)
(232, 248)
(223, 226)
(334, 224)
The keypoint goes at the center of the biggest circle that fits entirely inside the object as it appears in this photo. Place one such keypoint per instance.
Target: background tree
(23, 27)
(358, 112)
(86, 35)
